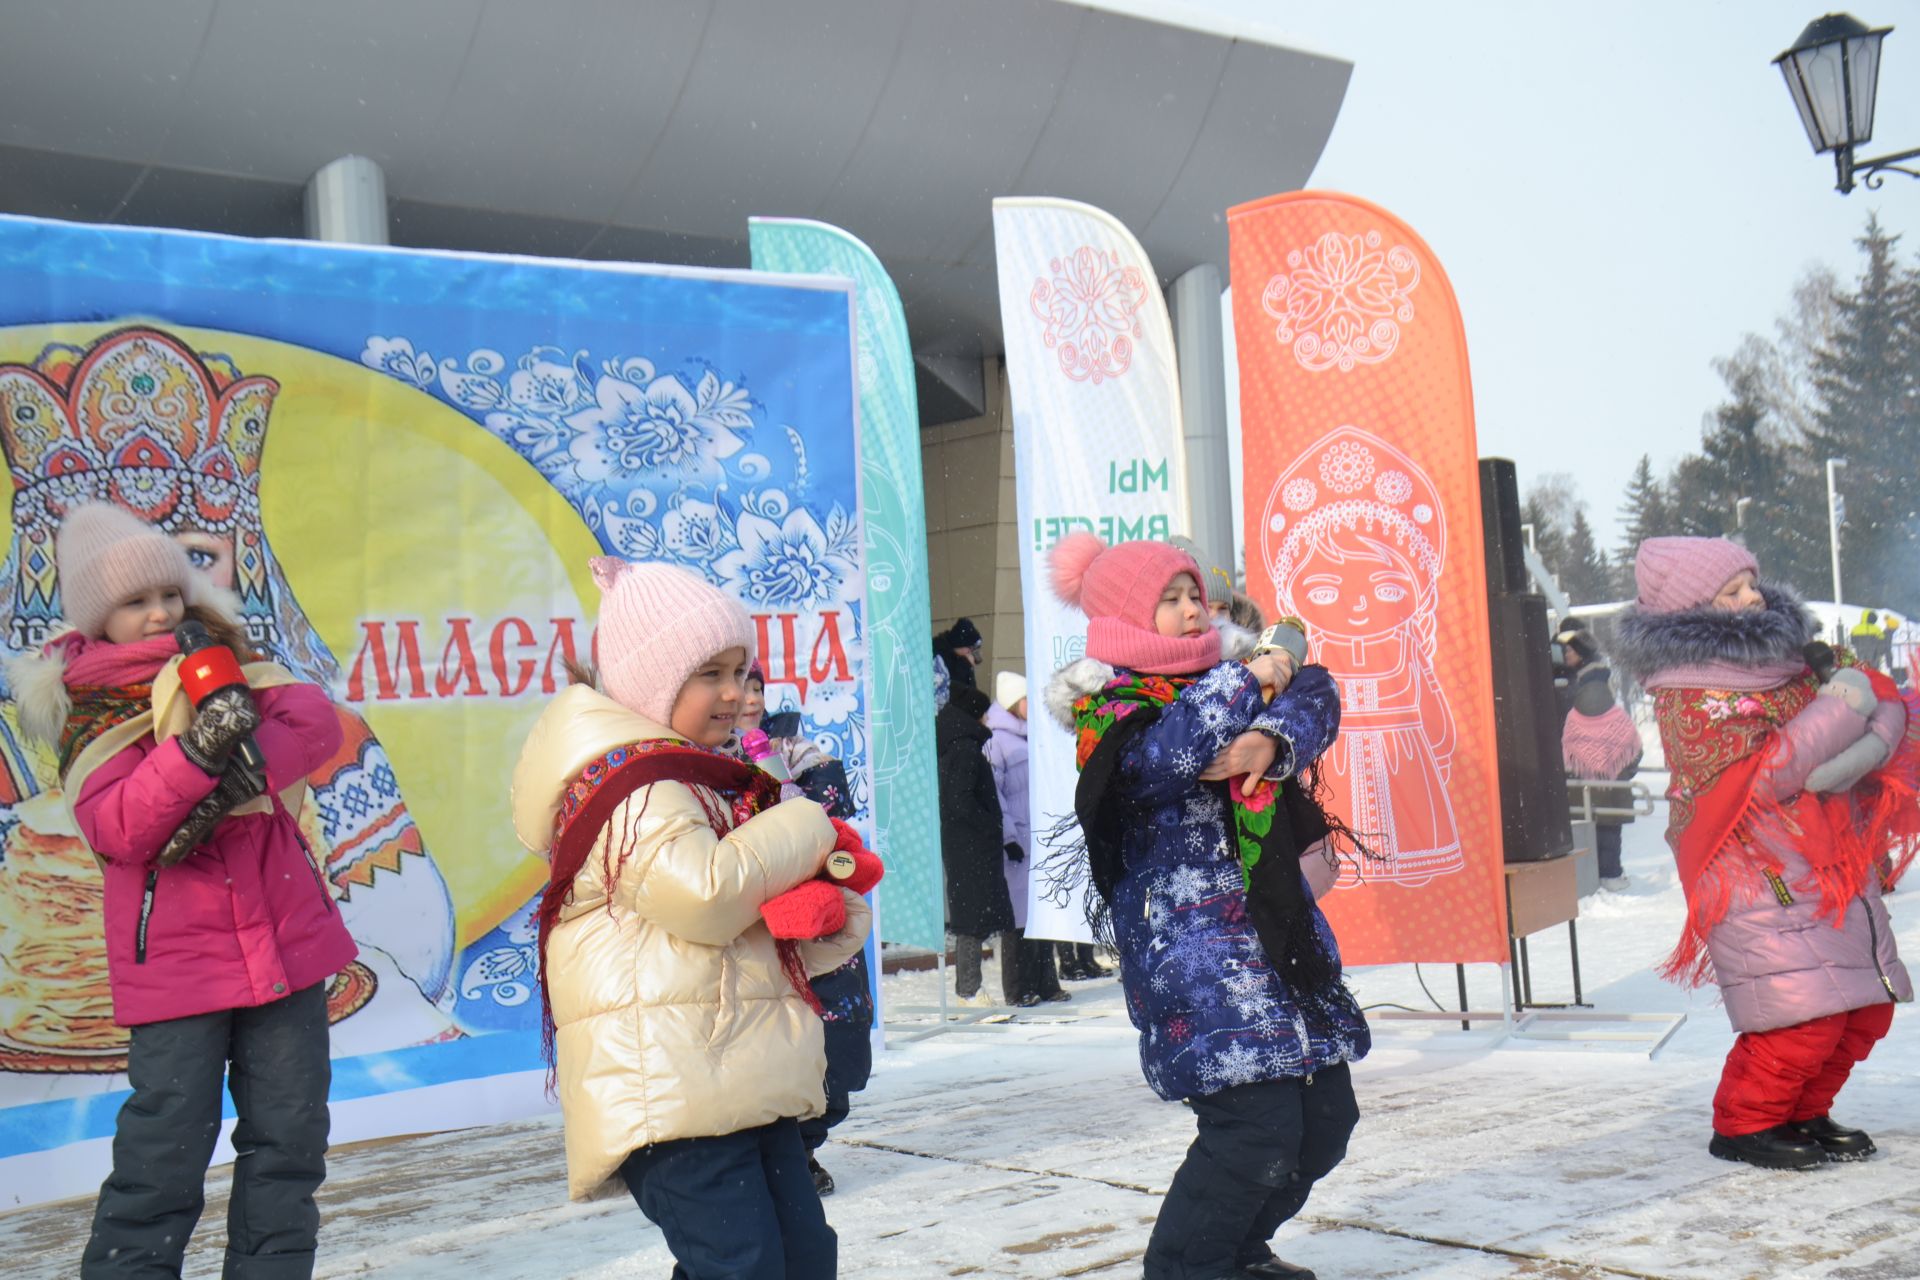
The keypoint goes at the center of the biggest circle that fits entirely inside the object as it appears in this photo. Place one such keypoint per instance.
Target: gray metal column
(1193, 304)
(347, 202)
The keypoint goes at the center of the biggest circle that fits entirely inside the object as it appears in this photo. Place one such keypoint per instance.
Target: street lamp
(1836, 508)
(1833, 72)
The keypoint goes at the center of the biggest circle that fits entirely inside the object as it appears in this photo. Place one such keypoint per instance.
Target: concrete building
(649, 130)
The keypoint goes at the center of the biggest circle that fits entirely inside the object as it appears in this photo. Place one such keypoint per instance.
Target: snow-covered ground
(1031, 1148)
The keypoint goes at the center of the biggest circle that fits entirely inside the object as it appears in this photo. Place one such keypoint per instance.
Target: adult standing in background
(1006, 752)
(1598, 740)
(971, 846)
(957, 651)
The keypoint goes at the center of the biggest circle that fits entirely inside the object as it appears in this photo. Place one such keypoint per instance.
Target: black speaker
(1526, 723)
(1500, 520)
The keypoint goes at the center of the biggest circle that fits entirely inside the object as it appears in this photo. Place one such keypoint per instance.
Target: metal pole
(1833, 526)
(346, 202)
(1193, 305)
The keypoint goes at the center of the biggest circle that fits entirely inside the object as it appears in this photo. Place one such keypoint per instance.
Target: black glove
(219, 723)
(235, 788)
(1015, 853)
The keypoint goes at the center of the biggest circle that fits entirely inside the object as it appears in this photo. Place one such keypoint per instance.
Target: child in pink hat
(1196, 801)
(1790, 787)
(685, 910)
(221, 935)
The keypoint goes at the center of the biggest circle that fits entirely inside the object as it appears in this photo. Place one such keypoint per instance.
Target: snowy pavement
(1031, 1148)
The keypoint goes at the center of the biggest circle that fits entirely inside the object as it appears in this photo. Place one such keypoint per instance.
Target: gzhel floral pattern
(1091, 310)
(1342, 300)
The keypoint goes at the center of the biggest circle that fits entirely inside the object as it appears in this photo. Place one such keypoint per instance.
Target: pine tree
(1866, 386)
(1643, 515)
(1587, 578)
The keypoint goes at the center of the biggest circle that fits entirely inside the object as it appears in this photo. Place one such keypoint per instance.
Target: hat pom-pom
(1069, 561)
(607, 570)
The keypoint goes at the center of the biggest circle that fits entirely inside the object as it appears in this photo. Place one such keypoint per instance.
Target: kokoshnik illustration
(137, 418)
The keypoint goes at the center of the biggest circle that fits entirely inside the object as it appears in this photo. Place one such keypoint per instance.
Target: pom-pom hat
(1119, 588)
(106, 554)
(1672, 574)
(658, 625)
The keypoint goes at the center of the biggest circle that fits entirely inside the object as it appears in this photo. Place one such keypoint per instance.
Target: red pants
(1791, 1073)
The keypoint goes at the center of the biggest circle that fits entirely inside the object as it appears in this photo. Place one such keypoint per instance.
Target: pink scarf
(104, 664)
(1728, 677)
(1599, 748)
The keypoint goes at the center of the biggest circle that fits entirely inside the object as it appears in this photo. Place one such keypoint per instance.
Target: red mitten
(814, 909)
(867, 870)
(867, 867)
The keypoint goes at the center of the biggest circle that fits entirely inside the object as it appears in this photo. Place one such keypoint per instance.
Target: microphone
(206, 667)
(759, 749)
(1819, 656)
(1289, 636)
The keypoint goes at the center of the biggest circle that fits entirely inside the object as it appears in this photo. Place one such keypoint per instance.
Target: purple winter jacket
(1006, 751)
(1779, 964)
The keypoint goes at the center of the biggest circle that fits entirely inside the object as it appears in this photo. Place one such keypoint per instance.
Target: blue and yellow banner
(398, 463)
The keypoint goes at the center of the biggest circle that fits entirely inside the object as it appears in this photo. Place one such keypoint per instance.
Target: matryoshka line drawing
(1354, 540)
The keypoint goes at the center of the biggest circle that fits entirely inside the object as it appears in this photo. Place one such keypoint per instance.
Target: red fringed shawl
(1716, 744)
(592, 798)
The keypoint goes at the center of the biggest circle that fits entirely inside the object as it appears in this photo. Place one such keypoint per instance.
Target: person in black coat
(970, 845)
(959, 649)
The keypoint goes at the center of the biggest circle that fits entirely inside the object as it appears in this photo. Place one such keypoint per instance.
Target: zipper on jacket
(146, 915)
(306, 853)
(319, 881)
(1873, 942)
(1780, 889)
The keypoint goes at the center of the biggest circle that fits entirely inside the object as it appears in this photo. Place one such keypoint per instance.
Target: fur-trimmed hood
(1073, 682)
(1647, 643)
(37, 683)
(1090, 675)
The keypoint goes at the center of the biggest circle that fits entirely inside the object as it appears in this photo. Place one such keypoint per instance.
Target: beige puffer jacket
(675, 1019)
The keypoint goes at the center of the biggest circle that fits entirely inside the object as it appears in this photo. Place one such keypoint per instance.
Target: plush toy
(815, 909)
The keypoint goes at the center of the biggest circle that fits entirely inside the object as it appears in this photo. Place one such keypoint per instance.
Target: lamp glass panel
(1824, 112)
(1863, 53)
(1790, 72)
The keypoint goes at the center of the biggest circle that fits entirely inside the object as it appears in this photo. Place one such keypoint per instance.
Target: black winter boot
(822, 1180)
(1838, 1141)
(1275, 1269)
(1775, 1148)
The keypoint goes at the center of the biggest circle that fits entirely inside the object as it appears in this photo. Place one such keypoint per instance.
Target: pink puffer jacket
(244, 920)
(1778, 962)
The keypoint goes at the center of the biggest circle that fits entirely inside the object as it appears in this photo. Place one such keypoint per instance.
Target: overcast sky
(1619, 191)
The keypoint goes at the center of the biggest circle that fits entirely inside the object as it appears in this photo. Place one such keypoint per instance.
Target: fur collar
(1645, 643)
(39, 688)
(1073, 682)
(1236, 641)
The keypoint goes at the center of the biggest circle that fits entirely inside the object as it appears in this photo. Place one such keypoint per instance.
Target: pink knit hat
(105, 554)
(1684, 573)
(1118, 588)
(658, 625)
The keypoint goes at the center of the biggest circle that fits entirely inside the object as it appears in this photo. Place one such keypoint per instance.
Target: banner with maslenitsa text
(399, 465)
(1097, 445)
(1363, 520)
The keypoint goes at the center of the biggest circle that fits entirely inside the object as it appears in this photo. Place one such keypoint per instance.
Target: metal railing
(1591, 800)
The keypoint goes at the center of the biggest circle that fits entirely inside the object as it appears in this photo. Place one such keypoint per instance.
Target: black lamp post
(1832, 71)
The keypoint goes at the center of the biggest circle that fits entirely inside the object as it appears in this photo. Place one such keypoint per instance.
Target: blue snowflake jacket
(1211, 1011)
